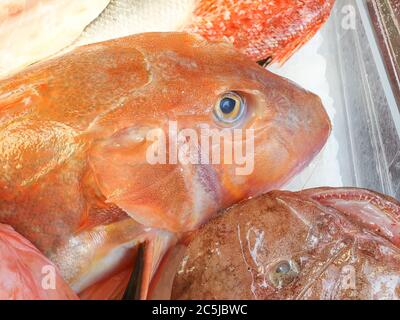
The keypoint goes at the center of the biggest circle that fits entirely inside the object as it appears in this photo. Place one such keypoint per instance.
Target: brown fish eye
(230, 108)
(283, 273)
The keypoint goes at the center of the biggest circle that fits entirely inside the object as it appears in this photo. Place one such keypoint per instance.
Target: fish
(261, 29)
(25, 274)
(323, 243)
(31, 30)
(79, 133)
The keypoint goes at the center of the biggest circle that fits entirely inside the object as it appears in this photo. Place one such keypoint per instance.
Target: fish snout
(306, 124)
(292, 128)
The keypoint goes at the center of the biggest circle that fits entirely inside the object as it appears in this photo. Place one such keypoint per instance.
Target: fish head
(217, 127)
(324, 243)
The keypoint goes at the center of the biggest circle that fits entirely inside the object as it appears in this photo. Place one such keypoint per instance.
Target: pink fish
(25, 274)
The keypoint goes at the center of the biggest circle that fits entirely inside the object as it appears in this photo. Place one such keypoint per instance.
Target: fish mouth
(317, 123)
(372, 211)
(308, 134)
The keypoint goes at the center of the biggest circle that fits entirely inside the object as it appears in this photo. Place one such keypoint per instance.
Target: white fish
(126, 17)
(31, 30)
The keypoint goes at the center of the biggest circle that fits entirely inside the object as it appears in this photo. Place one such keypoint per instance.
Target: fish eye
(283, 273)
(230, 108)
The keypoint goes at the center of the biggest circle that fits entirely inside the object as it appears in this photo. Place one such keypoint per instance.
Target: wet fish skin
(335, 243)
(258, 28)
(25, 273)
(73, 168)
(261, 29)
(32, 30)
(122, 18)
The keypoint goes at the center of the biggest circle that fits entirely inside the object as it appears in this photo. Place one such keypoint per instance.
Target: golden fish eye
(284, 273)
(230, 108)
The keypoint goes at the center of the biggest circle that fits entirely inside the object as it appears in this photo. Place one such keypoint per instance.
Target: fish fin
(125, 285)
(111, 288)
(161, 284)
(133, 281)
(153, 255)
(378, 213)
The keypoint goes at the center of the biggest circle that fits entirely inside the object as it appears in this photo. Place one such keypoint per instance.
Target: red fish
(259, 28)
(322, 243)
(74, 174)
(23, 269)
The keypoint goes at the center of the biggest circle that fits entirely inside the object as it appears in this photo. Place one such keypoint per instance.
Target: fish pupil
(227, 105)
(283, 267)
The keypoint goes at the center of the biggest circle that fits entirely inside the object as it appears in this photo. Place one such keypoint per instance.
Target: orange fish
(23, 271)
(75, 176)
(31, 30)
(323, 243)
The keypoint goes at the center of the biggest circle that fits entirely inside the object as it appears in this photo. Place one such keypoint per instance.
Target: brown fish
(320, 243)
